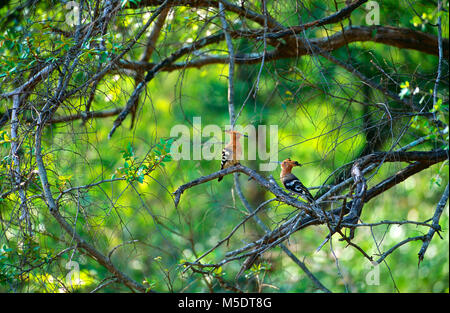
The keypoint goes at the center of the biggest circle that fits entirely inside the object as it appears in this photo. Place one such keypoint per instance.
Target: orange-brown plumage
(291, 182)
(232, 152)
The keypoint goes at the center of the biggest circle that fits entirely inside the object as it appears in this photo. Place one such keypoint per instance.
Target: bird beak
(297, 164)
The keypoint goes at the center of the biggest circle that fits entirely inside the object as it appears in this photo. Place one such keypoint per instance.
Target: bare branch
(94, 253)
(435, 224)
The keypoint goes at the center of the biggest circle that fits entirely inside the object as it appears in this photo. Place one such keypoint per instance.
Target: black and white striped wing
(226, 156)
(296, 186)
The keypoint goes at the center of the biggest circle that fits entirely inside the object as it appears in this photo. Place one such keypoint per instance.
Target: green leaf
(79, 77)
(416, 21)
(103, 56)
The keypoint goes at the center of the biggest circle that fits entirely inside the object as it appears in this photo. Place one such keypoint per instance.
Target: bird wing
(226, 156)
(295, 185)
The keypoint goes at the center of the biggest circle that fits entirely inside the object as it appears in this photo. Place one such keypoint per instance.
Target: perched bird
(232, 152)
(291, 182)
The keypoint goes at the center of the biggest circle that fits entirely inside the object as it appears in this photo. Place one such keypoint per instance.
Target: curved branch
(424, 159)
(273, 188)
(402, 38)
(435, 224)
(54, 211)
(240, 10)
(85, 116)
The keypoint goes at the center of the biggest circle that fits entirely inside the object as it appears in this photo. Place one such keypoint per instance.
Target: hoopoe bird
(291, 182)
(232, 152)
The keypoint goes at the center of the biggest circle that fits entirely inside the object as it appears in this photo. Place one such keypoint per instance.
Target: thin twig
(435, 224)
(231, 64)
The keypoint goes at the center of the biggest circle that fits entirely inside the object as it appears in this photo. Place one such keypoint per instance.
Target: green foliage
(257, 269)
(29, 254)
(136, 170)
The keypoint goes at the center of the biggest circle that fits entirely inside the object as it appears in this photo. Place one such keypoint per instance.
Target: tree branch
(435, 224)
(423, 160)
